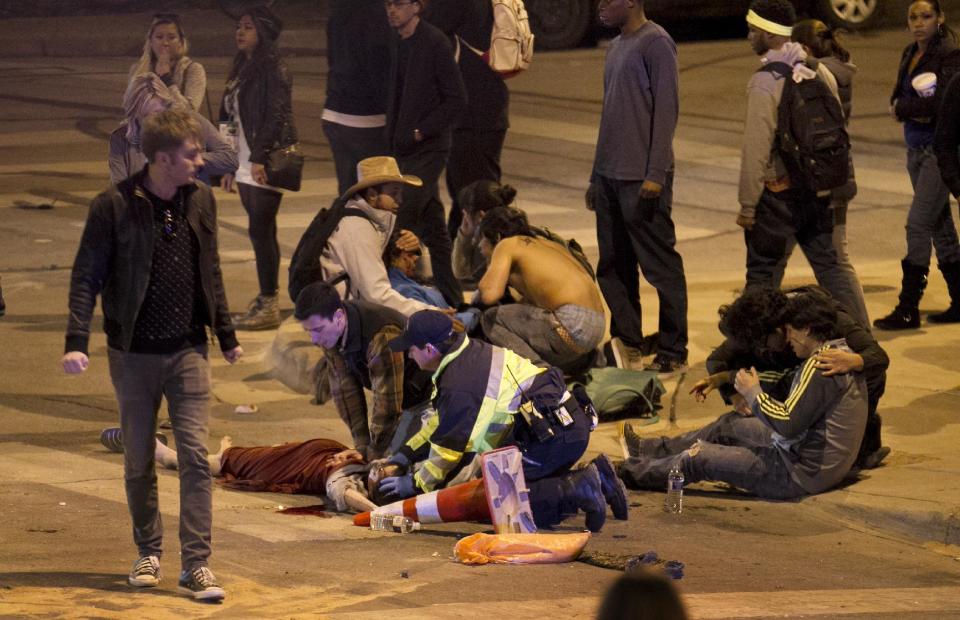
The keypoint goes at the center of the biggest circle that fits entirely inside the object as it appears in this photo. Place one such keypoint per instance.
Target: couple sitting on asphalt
(795, 431)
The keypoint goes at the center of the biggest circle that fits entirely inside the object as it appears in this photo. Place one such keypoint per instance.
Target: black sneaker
(611, 485)
(665, 364)
(200, 584)
(900, 318)
(145, 572)
(112, 439)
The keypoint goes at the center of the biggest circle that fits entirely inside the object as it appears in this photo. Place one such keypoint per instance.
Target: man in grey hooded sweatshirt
(771, 209)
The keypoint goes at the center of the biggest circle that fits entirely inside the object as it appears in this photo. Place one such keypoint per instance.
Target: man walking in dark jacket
(149, 249)
(424, 104)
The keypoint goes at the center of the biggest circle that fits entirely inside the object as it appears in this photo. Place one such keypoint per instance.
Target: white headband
(768, 26)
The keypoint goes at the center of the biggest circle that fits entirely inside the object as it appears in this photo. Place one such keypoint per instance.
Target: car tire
(849, 14)
(559, 24)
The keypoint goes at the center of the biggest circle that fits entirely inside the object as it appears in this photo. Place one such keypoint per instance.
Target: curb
(918, 519)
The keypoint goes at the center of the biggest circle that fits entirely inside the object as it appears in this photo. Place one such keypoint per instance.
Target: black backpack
(305, 263)
(811, 132)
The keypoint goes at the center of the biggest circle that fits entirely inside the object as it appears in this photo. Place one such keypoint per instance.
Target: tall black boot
(907, 313)
(951, 273)
(582, 490)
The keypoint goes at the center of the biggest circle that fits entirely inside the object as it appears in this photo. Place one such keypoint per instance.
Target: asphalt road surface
(64, 531)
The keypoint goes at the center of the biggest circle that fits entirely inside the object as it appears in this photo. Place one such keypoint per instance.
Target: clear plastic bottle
(393, 523)
(673, 503)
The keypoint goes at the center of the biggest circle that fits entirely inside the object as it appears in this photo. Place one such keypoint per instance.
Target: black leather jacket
(265, 106)
(114, 260)
(942, 58)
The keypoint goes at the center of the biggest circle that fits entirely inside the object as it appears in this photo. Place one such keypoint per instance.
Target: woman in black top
(929, 222)
(256, 113)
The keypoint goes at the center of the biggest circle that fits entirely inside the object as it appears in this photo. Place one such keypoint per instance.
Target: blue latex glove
(397, 487)
(399, 459)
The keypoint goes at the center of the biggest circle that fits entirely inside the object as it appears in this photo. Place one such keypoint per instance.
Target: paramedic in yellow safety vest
(486, 397)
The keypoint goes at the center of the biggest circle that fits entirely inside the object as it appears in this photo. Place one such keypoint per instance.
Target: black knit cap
(777, 11)
(268, 24)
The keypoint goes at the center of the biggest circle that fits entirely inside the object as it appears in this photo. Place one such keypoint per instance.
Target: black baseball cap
(423, 327)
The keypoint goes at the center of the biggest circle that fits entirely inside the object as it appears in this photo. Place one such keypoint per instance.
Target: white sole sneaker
(143, 582)
(209, 595)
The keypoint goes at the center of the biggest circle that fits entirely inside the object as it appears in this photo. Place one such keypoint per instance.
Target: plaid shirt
(353, 367)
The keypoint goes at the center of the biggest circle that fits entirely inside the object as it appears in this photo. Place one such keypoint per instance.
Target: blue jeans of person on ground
(929, 221)
(141, 380)
(632, 233)
(734, 449)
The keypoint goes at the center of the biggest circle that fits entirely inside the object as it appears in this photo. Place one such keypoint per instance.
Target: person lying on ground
(560, 321)
(791, 443)
(312, 467)
(325, 467)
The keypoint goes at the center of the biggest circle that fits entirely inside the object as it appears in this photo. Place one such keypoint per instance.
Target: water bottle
(393, 523)
(673, 503)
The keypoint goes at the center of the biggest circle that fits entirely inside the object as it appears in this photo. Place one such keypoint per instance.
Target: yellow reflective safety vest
(476, 391)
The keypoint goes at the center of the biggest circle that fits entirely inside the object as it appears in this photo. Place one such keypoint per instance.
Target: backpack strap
(777, 68)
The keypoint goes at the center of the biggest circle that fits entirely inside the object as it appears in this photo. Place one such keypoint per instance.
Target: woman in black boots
(934, 51)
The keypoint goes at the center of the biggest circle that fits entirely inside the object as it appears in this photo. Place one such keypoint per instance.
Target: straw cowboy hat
(377, 171)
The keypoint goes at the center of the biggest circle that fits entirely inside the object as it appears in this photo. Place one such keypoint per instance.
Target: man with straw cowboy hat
(353, 254)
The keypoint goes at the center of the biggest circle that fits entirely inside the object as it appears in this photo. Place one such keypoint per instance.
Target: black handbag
(285, 163)
(285, 167)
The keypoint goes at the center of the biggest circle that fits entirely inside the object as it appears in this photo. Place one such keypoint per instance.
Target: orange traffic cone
(461, 502)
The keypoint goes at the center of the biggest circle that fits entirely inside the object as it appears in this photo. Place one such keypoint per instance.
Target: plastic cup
(925, 84)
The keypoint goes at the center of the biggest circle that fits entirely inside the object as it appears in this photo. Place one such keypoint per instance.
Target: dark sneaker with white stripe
(145, 572)
(112, 439)
(199, 583)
